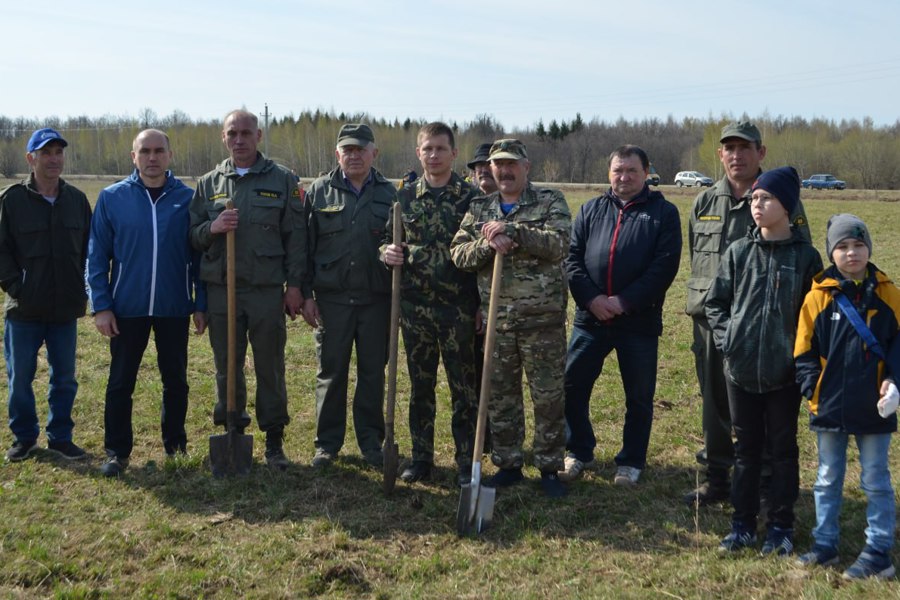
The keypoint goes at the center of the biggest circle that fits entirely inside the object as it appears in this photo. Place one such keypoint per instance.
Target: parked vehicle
(692, 178)
(824, 181)
(653, 176)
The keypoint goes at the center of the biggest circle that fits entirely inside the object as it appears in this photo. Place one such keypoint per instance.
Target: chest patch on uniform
(215, 197)
(275, 194)
(710, 218)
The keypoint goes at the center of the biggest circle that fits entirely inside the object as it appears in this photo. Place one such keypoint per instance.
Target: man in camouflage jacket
(530, 227)
(438, 303)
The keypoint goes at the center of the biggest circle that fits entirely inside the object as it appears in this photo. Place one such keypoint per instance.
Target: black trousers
(127, 351)
(753, 416)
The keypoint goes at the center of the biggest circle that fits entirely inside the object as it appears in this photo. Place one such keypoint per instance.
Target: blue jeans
(21, 342)
(875, 481)
(637, 354)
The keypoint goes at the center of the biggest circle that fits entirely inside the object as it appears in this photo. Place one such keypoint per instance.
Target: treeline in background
(864, 155)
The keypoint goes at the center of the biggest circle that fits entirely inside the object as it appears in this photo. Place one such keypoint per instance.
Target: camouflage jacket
(717, 220)
(429, 224)
(533, 292)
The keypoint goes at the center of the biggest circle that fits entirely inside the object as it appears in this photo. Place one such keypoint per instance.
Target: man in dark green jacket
(270, 241)
(347, 294)
(44, 229)
(719, 217)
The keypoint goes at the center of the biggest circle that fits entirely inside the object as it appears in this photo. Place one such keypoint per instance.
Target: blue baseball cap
(42, 137)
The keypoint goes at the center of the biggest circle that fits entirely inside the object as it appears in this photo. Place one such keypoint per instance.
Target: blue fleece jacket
(153, 267)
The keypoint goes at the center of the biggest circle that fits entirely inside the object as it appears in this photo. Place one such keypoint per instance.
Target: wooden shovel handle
(393, 340)
(231, 291)
(490, 337)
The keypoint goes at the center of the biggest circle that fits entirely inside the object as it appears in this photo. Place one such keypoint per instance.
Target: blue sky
(519, 61)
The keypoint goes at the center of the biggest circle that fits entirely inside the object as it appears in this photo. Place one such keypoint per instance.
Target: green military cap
(508, 149)
(355, 134)
(742, 129)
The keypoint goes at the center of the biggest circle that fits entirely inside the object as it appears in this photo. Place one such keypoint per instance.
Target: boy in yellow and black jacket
(847, 383)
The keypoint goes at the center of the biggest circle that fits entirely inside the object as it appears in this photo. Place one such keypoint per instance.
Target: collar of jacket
(755, 235)
(262, 165)
(832, 279)
(642, 196)
(31, 187)
(135, 179)
(454, 186)
(337, 179)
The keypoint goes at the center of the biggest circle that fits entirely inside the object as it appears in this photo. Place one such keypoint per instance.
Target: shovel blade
(230, 454)
(391, 464)
(476, 509)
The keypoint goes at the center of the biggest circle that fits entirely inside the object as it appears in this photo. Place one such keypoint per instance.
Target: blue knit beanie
(783, 183)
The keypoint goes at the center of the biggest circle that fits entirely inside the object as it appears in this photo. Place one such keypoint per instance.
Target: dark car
(824, 181)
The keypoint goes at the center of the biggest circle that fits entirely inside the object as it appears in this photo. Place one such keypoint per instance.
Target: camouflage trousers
(541, 354)
(432, 332)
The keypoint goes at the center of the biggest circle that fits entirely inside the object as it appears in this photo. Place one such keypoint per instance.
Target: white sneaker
(627, 476)
(574, 468)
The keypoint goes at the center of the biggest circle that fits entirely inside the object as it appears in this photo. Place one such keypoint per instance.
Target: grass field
(169, 530)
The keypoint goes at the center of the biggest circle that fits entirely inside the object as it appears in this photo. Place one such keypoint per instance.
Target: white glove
(887, 405)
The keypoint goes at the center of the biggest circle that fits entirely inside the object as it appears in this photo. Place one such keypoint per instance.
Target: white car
(692, 178)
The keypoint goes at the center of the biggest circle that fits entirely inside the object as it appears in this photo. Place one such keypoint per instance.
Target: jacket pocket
(266, 213)
(696, 295)
(329, 220)
(268, 269)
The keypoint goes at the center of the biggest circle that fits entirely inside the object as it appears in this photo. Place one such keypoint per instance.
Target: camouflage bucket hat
(508, 149)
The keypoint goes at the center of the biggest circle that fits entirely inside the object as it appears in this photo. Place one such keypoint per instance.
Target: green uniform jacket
(270, 240)
(345, 233)
(43, 249)
(533, 292)
(429, 224)
(717, 220)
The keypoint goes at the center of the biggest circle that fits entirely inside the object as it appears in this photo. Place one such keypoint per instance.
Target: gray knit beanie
(843, 226)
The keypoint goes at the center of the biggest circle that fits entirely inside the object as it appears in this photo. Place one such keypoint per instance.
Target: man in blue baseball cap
(44, 229)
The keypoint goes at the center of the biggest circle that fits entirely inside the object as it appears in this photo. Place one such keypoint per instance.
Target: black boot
(275, 457)
(715, 488)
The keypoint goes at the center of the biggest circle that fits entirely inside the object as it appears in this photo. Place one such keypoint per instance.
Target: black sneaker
(553, 487)
(736, 541)
(417, 471)
(20, 450)
(67, 450)
(779, 542)
(505, 478)
(114, 466)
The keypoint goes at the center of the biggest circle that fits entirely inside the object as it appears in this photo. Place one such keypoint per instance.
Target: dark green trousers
(343, 327)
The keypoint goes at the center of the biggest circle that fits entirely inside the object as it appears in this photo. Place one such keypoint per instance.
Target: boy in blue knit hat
(752, 308)
(847, 325)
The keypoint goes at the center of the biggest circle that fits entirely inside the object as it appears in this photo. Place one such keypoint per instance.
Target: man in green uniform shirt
(347, 291)
(270, 249)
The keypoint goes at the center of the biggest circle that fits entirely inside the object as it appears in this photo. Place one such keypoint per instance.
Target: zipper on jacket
(155, 250)
(612, 248)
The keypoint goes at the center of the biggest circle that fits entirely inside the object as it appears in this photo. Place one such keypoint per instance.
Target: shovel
(231, 453)
(476, 502)
(391, 451)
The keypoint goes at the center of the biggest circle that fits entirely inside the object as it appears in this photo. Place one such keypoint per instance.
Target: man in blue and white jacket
(141, 275)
